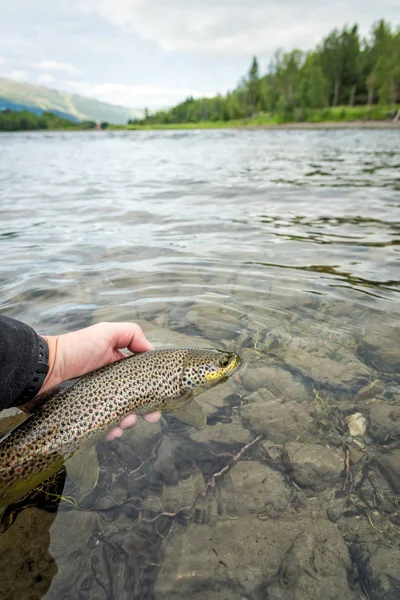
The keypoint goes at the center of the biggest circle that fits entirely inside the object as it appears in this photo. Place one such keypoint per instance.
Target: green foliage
(344, 72)
(11, 120)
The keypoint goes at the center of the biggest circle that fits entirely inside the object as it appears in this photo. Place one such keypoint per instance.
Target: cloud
(18, 75)
(54, 65)
(2, 60)
(131, 95)
(46, 78)
(234, 27)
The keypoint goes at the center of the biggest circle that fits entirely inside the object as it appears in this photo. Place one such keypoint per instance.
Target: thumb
(127, 335)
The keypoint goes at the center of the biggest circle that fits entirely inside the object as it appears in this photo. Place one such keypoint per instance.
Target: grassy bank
(338, 117)
(374, 116)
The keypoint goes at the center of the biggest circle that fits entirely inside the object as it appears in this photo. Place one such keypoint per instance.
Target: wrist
(39, 374)
(51, 377)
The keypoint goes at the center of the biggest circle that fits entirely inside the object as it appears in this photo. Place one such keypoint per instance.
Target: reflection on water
(280, 245)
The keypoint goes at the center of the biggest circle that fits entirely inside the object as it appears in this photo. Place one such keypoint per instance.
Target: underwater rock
(216, 320)
(181, 496)
(384, 420)
(10, 419)
(73, 538)
(243, 554)
(26, 565)
(389, 464)
(370, 391)
(378, 570)
(357, 424)
(139, 439)
(259, 489)
(379, 347)
(317, 567)
(278, 420)
(278, 559)
(224, 433)
(279, 382)
(325, 364)
(219, 397)
(313, 466)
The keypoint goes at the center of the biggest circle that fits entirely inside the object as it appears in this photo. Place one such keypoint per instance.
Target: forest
(13, 120)
(345, 77)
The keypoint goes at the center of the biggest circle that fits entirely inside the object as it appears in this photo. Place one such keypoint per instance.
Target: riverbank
(241, 125)
(338, 117)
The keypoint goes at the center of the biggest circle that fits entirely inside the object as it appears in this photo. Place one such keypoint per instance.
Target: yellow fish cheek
(213, 375)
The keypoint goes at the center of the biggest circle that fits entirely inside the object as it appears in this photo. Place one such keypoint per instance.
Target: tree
(351, 57)
(386, 71)
(343, 69)
(314, 89)
(253, 86)
(331, 60)
(288, 74)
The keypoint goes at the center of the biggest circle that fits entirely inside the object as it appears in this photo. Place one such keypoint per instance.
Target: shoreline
(330, 125)
(321, 125)
(298, 125)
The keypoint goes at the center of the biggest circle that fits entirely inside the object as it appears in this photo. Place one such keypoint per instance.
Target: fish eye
(224, 362)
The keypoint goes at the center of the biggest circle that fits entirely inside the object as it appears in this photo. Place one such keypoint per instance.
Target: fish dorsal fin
(190, 413)
(41, 399)
(83, 468)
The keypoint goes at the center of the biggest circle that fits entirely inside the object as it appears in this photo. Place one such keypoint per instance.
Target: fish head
(205, 367)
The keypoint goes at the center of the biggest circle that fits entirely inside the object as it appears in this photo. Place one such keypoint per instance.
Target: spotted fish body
(142, 383)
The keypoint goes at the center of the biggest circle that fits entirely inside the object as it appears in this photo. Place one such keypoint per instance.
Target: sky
(155, 53)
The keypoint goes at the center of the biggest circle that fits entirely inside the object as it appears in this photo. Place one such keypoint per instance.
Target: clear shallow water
(281, 245)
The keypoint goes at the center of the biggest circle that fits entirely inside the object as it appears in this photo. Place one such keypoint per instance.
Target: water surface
(280, 245)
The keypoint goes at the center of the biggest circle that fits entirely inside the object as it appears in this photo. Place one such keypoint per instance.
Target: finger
(128, 421)
(114, 433)
(128, 335)
(153, 417)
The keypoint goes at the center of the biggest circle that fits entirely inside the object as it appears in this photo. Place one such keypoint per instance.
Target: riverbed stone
(313, 466)
(259, 489)
(220, 397)
(384, 420)
(371, 390)
(379, 347)
(249, 555)
(215, 321)
(316, 567)
(277, 420)
(279, 382)
(27, 568)
(379, 571)
(178, 497)
(357, 424)
(243, 554)
(325, 364)
(224, 433)
(10, 419)
(389, 465)
(72, 542)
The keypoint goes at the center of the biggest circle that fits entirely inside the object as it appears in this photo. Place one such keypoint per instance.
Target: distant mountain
(16, 95)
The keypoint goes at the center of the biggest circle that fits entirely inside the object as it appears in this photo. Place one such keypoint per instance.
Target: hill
(15, 95)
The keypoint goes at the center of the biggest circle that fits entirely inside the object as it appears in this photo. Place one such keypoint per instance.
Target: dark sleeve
(23, 358)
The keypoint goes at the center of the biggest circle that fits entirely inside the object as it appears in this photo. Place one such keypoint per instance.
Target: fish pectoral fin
(83, 468)
(190, 413)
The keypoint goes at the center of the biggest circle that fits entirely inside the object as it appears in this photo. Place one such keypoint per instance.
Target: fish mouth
(235, 364)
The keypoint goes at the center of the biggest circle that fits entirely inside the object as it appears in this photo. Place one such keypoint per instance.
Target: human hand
(78, 352)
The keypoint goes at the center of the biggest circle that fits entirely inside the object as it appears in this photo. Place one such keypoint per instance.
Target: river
(280, 245)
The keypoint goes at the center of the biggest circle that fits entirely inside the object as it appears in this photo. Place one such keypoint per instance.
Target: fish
(67, 423)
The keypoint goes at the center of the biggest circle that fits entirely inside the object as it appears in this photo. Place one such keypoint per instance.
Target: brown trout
(59, 428)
